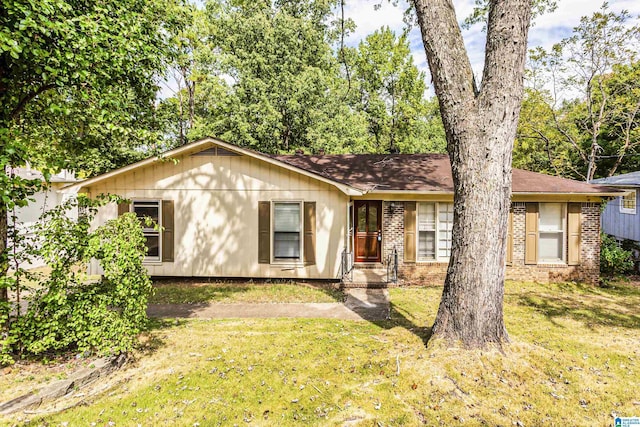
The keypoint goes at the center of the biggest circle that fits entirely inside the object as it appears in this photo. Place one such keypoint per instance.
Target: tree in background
(391, 91)
(275, 76)
(590, 112)
(272, 73)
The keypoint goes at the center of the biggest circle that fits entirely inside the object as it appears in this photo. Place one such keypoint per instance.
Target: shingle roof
(419, 172)
(631, 179)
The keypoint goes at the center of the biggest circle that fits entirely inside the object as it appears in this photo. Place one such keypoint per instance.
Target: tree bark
(480, 126)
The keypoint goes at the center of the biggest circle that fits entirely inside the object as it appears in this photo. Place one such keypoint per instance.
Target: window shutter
(410, 231)
(123, 208)
(167, 233)
(574, 211)
(264, 230)
(309, 233)
(531, 234)
(510, 237)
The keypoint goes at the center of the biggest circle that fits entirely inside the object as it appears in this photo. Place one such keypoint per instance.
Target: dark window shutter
(309, 232)
(264, 230)
(410, 231)
(510, 238)
(168, 231)
(123, 208)
(574, 211)
(531, 234)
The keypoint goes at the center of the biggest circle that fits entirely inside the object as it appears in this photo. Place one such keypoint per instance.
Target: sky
(547, 29)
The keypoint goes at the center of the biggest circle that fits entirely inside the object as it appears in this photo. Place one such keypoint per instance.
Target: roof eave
(346, 189)
(524, 193)
(570, 193)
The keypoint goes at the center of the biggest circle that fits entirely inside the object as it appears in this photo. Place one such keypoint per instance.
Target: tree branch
(449, 63)
(26, 99)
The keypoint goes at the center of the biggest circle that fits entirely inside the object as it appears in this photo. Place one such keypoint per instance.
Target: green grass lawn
(574, 360)
(195, 291)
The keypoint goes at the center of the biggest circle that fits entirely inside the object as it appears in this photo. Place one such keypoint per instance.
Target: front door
(368, 230)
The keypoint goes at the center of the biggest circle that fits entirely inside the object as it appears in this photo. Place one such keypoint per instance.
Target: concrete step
(367, 278)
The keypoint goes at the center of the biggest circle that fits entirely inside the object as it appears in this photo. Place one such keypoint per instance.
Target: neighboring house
(54, 195)
(620, 217)
(233, 212)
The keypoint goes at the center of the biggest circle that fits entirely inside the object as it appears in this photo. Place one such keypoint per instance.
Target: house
(620, 217)
(55, 194)
(232, 212)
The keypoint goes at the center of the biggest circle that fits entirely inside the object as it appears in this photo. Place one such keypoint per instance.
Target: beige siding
(216, 214)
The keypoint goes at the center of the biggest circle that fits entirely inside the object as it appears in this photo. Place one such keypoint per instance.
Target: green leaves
(586, 127)
(66, 312)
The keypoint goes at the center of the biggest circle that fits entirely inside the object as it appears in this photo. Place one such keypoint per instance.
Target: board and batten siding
(621, 225)
(216, 214)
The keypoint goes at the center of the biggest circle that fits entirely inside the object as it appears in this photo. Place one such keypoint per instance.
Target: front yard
(191, 291)
(574, 360)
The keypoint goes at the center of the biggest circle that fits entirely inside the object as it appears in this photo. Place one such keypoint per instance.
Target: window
(551, 232)
(286, 231)
(628, 203)
(445, 225)
(426, 232)
(150, 209)
(435, 222)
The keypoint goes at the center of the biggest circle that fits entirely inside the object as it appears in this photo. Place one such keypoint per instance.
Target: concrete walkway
(361, 304)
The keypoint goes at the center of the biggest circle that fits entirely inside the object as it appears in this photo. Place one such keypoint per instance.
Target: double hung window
(551, 228)
(145, 209)
(287, 225)
(435, 222)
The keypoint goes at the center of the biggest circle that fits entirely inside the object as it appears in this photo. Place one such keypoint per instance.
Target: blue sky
(546, 30)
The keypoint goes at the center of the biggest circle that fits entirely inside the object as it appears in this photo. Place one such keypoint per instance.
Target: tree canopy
(580, 114)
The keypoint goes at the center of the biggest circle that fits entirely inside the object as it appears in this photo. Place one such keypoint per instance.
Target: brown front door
(368, 227)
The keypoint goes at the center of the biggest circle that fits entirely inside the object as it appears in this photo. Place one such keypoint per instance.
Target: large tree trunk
(480, 125)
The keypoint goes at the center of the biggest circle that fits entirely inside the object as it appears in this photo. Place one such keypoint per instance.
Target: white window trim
(437, 259)
(556, 261)
(286, 261)
(151, 259)
(629, 211)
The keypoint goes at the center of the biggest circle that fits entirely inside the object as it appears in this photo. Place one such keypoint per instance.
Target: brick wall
(393, 230)
(587, 271)
(434, 273)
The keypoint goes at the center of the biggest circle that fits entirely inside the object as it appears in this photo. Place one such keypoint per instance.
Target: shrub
(65, 311)
(614, 260)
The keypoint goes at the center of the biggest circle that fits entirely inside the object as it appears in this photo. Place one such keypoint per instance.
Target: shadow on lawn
(150, 340)
(404, 319)
(591, 305)
(385, 314)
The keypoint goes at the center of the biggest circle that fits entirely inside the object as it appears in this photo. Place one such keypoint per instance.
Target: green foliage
(270, 76)
(65, 312)
(614, 260)
(587, 127)
(391, 93)
(76, 74)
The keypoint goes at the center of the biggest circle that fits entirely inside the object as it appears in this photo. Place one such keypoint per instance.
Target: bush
(614, 260)
(65, 312)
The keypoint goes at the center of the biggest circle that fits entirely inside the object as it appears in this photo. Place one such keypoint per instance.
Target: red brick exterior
(425, 273)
